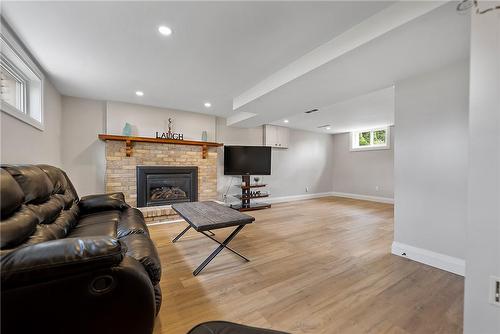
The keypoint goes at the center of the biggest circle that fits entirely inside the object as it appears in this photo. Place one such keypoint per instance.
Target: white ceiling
(426, 43)
(108, 50)
(372, 110)
(224, 52)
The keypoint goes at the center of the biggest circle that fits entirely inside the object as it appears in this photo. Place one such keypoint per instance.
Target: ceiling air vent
(311, 111)
(323, 126)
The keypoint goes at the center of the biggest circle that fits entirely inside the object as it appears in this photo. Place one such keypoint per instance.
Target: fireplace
(163, 185)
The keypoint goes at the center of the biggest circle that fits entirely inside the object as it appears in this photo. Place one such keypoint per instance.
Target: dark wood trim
(129, 141)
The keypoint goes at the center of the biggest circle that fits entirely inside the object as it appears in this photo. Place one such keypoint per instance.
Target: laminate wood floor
(317, 266)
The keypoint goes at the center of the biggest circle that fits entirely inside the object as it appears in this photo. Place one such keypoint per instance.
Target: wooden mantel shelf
(130, 140)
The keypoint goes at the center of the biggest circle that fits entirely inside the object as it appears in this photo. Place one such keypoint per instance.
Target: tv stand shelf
(246, 196)
(253, 186)
(252, 206)
(251, 196)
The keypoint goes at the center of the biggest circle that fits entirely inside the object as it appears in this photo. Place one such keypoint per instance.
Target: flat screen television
(247, 160)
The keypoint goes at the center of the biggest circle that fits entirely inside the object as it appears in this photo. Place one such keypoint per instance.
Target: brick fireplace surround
(121, 171)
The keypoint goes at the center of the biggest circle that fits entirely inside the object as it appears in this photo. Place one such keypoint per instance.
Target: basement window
(373, 139)
(21, 82)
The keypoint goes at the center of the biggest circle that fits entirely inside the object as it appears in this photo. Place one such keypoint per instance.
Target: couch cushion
(36, 185)
(141, 248)
(58, 178)
(131, 222)
(59, 227)
(105, 228)
(50, 208)
(17, 228)
(102, 202)
(11, 195)
(99, 217)
(48, 211)
(99, 223)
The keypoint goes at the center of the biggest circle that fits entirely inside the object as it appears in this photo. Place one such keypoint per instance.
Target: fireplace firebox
(163, 185)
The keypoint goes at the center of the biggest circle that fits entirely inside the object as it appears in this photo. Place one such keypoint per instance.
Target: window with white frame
(21, 82)
(372, 139)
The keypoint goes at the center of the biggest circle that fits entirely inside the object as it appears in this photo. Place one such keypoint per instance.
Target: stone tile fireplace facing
(164, 185)
(121, 171)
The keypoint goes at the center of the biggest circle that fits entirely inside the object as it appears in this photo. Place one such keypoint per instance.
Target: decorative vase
(204, 136)
(127, 130)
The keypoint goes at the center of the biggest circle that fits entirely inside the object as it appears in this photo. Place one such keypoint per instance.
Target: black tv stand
(246, 196)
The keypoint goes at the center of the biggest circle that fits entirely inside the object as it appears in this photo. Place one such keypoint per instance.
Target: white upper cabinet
(276, 136)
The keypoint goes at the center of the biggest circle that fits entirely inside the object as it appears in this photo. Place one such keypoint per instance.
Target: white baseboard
(364, 197)
(433, 259)
(292, 198)
(295, 197)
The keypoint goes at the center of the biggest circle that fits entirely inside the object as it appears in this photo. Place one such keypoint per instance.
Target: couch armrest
(56, 258)
(102, 202)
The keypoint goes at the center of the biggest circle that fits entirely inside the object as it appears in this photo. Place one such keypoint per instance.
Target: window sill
(22, 117)
(370, 148)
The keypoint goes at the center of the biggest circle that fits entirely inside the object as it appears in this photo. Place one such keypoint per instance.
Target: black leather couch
(225, 327)
(71, 265)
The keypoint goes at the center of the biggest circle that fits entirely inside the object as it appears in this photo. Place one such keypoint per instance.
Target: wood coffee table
(207, 216)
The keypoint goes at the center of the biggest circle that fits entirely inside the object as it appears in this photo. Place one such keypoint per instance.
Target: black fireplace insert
(163, 185)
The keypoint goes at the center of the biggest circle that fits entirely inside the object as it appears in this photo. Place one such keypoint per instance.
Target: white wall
(306, 163)
(22, 143)
(430, 160)
(483, 225)
(361, 172)
(146, 121)
(82, 152)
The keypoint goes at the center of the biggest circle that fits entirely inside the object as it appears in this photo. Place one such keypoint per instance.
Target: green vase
(127, 130)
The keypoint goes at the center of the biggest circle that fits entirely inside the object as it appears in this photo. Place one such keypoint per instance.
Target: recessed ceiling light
(139, 93)
(164, 30)
(286, 121)
(328, 128)
(207, 104)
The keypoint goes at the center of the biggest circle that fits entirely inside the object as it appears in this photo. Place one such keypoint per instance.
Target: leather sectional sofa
(69, 264)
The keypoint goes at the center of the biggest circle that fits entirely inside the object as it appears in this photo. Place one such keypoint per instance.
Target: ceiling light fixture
(328, 128)
(165, 31)
(207, 104)
(139, 93)
(285, 121)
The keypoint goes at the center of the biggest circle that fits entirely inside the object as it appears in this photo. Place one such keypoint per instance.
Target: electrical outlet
(307, 189)
(376, 188)
(495, 290)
